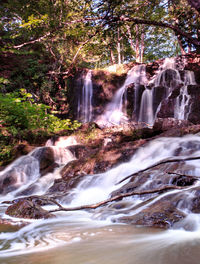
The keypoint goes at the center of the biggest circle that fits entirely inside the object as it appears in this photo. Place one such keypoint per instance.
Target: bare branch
(157, 164)
(32, 41)
(117, 197)
(176, 29)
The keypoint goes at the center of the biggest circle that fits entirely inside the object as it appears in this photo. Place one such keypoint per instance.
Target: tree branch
(157, 164)
(176, 29)
(195, 4)
(117, 197)
(32, 41)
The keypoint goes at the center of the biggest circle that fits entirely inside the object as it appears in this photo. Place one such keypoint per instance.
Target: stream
(95, 243)
(96, 236)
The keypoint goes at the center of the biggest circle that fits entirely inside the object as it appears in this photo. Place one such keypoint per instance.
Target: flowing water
(91, 236)
(115, 113)
(147, 98)
(85, 99)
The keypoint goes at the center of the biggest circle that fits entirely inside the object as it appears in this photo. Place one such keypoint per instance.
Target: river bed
(59, 241)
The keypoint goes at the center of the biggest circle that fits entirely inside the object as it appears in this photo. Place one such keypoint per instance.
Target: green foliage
(18, 113)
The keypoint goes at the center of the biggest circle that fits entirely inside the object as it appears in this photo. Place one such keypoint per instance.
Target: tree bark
(142, 45)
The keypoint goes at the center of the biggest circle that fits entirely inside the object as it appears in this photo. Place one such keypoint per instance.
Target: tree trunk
(118, 46)
(142, 45)
(130, 37)
(137, 44)
(112, 57)
(181, 46)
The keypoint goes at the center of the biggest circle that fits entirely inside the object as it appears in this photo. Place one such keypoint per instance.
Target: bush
(18, 112)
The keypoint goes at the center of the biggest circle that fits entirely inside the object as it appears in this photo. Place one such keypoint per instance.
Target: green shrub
(18, 112)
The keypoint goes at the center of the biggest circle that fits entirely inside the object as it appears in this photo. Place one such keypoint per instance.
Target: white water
(114, 113)
(146, 109)
(168, 77)
(85, 99)
(181, 110)
(25, 173)
(82, 229)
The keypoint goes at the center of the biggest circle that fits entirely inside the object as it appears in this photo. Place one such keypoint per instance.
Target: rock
(100, 159)
(164, 124)
(159, 94)
(166, 108)
(45, 156)
(79, 151)
(27, 209)
(193, 89)
(194, 113)
(64, 185)
(21, 149)
(162, 214)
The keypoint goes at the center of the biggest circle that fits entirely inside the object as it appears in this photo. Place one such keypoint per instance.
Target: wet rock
(159, 93)
(79, 151)
(27, 209)
(193, 89)
(45, 156)
(166, 108)
(101, 159)
(162, 214)
(64, 185)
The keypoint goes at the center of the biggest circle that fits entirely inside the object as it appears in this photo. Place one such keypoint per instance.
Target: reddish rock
(164, 124)
(27, 209)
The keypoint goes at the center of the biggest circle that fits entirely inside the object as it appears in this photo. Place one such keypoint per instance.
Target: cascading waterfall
(23, 175)
(46, 234)
(147, 99)
(85, 99)
(182, 101)
(114, 113)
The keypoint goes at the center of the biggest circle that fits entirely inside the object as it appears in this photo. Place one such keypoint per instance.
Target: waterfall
(182, 109)
(78, 227)
(146, 110)
(170, 79)
(115, 114)
(85, 99)
(23, 176)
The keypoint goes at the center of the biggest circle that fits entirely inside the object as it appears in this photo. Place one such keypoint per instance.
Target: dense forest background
(44, 42)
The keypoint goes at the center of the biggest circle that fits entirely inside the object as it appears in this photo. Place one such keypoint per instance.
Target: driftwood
(157, 164)
(114, 198)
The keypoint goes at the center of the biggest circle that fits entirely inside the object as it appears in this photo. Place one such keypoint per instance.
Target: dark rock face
(167, 108)
(194, 92)
(27, 209)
